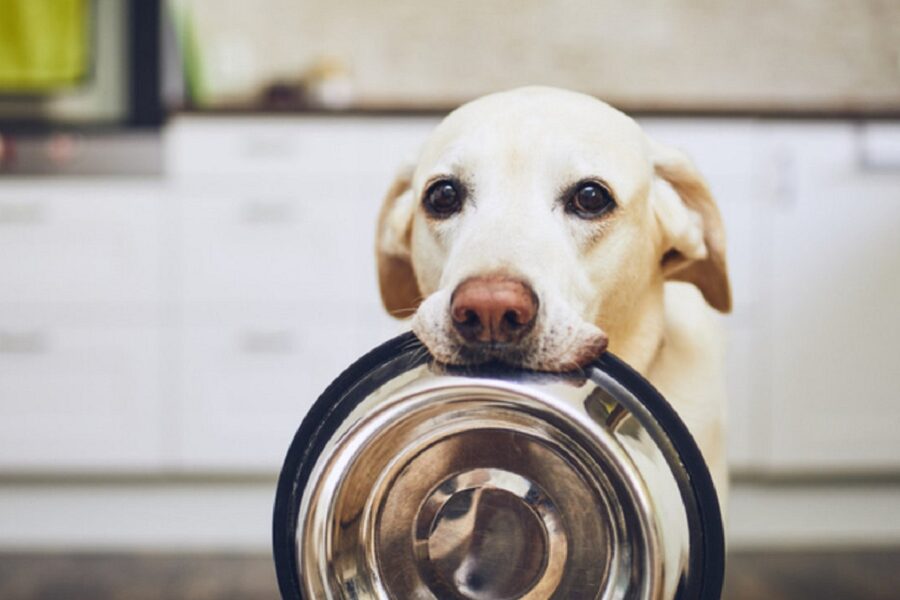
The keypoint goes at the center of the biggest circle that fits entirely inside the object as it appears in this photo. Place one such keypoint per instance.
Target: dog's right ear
(695, 237)
(399, 290)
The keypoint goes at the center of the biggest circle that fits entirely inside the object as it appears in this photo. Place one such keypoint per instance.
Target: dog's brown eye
(590, 200)
(443, 198)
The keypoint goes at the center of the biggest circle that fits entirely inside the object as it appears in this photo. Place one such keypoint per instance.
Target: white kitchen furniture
(184, 325)
(834, 300)
(80, 327)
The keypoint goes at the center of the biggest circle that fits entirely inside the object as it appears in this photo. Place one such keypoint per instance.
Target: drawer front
(278, 241)
(297, 146)
(251, 373)
(78, 242)
(78, 398)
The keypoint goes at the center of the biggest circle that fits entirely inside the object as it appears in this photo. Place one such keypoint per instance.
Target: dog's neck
(639, 338)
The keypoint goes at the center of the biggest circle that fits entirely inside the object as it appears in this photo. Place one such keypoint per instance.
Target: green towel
(43, 44)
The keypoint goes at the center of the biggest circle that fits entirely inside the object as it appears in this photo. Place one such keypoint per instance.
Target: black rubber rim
(404, 352)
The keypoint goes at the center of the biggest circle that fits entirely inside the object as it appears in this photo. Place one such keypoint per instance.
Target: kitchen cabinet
(283, 240)
(79, 397)
(277, 285)
(80, 328)
(250, 373)
(248, 377)
(76, 241)
(834, 401)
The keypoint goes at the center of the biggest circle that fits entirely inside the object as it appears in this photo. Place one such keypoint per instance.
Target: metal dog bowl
(409, 481)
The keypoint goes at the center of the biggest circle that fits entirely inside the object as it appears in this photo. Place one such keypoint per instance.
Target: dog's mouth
(513, 355)
(536, 356)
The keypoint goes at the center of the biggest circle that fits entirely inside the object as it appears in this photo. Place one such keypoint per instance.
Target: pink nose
(493, 309)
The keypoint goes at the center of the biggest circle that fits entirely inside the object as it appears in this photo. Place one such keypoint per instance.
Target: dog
(540, 227)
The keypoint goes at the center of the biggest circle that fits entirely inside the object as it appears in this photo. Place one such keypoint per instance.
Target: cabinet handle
(267, 146)
(21, 213)
(260, 212)
(24, 342)
(266, 342)
(784, 186)
(876, 150)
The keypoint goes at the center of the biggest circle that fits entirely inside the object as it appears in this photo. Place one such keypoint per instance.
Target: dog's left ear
(692, 227)
(399, 289)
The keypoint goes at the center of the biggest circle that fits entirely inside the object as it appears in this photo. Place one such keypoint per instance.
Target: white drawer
(78, 398)
(279, 241)
(75, 241)
(879, 146)
(207, 146)
(251, 373)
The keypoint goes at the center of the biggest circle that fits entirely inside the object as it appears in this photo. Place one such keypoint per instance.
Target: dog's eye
(443, 198)
(590, 200)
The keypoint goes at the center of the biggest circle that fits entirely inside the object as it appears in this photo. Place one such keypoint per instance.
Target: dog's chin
(507, 354)
(461, 354)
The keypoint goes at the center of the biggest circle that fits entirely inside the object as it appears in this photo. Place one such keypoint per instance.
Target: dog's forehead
(541, 128)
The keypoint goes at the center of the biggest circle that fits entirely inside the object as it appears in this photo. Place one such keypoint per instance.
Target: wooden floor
(868, 575)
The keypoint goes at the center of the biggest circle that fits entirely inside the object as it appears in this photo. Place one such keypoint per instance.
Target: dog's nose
(493, 309)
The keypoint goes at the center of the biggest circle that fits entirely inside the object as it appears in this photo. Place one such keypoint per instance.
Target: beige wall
(832, 55)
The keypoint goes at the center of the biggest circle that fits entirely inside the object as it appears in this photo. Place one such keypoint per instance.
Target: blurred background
(188, 192)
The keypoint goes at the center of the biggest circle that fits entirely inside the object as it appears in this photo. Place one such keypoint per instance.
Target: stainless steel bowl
(411, 481)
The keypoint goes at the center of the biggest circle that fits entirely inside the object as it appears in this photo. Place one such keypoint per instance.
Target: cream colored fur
(648, 275)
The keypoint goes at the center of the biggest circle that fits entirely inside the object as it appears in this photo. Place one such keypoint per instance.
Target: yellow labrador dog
(541, 226)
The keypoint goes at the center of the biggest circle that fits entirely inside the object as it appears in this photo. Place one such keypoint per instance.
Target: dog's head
(536, 224)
